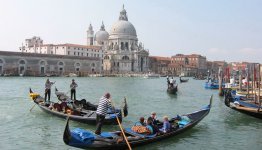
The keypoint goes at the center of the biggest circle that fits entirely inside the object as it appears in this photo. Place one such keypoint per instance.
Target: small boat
(85, 139)
(242, 106)
(213, 85)
(63, 110)
(183, 80)
(172, 89)
(151, 75)
(72, 75)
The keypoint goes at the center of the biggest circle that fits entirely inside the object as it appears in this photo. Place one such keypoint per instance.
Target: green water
(222, 129)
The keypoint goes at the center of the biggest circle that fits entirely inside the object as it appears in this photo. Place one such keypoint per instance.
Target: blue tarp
(82, 136)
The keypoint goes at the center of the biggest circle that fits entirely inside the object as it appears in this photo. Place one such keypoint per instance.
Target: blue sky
(229, 30)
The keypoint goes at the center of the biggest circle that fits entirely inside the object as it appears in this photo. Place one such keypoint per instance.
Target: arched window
(126, 46)
(125, 58)
(93, 64)
(122, 45)
(42, 63)
(186, 61)
(61, 63)
(21, 62)
(77, 64)
(106, 57)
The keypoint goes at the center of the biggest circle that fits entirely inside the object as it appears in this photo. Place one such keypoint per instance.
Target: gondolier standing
(48, 85)
(104, 104)
(73, 86)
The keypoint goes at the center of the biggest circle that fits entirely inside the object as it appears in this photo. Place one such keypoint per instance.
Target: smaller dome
(101, 36)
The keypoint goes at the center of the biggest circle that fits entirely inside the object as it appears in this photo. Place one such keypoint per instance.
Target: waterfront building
(213, 66)
(122, 51)
(159, 64)
(34, 64)
(119, 50)
(188, 65)
(35, 45)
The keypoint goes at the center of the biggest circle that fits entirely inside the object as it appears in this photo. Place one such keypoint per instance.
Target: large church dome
(123, 27)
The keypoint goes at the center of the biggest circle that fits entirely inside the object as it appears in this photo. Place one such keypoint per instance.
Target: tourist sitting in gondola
(153, 116)
(141, 122)
(166, 125)
(150, 126)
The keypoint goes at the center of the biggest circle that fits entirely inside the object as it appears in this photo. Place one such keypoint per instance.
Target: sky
(229, 30)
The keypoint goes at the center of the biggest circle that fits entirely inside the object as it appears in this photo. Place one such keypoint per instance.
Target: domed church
(122, 52)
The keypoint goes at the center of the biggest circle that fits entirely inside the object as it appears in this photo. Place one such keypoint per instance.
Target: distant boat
(183, 80)
(151, 75)
(172, 89)
(7, 74)
(21, 74)
(72, 75)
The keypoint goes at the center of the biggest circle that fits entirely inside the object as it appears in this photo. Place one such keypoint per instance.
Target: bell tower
(90, 35)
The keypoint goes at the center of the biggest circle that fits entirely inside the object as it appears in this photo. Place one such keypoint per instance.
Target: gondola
(242, 106)
(85, 105)
(172, 89)
(183, 80)
(81, 138)
(63, 109)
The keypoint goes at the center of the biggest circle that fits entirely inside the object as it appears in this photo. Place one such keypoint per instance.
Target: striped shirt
(103, 105)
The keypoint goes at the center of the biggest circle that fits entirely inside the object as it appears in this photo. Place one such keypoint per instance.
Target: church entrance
(21, 70)
(42, 70)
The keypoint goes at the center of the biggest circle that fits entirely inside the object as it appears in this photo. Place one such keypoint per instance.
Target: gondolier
(73, 86)
(48, 85)
(104, 104)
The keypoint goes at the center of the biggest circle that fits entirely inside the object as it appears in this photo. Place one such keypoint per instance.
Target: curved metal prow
(30, 90)
(67, 132)
(125, 108)
(211, 101)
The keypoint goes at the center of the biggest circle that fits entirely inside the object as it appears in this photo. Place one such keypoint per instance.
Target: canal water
(222, 129)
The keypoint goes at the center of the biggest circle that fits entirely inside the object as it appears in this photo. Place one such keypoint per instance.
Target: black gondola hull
(88, 118)
(172, 90)
(100, 144)
(229, 102)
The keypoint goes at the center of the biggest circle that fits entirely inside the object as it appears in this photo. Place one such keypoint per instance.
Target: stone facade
(188, 65)
(122, 51)
(32, 64)
(159, 64)
(35, 45)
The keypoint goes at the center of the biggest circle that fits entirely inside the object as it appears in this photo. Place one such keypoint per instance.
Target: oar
(32, 107)
(120, 126)
(35, 103)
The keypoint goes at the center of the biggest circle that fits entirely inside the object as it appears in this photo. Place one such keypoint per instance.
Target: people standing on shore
(73, 86)
(103, 106)
(48, 86)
